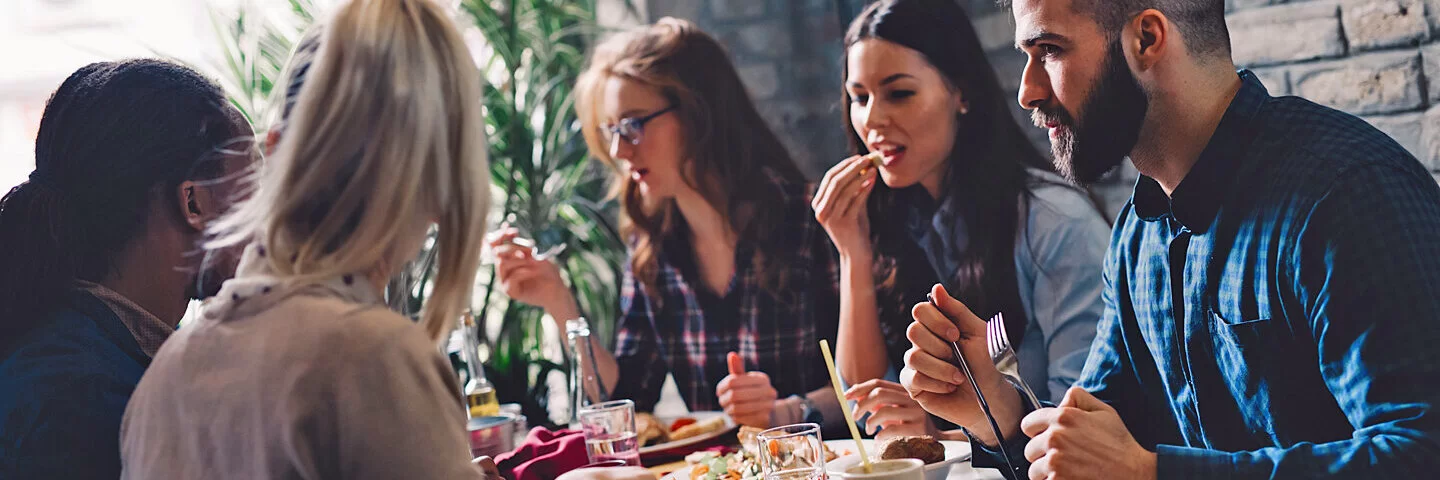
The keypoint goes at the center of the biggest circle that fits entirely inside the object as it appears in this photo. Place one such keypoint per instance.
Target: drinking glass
(792, 452)
(610, 432)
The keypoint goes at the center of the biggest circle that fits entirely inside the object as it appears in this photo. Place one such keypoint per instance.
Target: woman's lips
(889, 156)
(639, 174)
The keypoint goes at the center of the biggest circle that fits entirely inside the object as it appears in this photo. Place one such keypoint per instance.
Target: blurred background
(1374, 58)
(42, 41)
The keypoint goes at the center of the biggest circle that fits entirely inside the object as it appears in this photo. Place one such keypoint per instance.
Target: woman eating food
(945, 188)
(730, 282)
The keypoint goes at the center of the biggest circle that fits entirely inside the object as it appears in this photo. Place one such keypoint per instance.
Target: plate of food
(938, 455)
(660, 434)
(743, 464)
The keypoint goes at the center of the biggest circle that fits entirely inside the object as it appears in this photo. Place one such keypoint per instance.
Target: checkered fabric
(692, 330)
(1278, 315)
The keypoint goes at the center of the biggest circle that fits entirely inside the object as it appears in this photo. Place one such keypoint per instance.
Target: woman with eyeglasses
(730, 282)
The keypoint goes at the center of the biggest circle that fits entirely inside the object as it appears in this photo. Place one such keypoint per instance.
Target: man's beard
(1098, 139)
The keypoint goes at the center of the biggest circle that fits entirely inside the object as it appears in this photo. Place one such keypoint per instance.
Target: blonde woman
(297, 370)
(731, 283)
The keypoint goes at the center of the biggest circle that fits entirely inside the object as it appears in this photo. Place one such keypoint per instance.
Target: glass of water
(792, 452)
(610, 432)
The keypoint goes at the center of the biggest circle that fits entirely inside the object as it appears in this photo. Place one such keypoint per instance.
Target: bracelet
(788, 410)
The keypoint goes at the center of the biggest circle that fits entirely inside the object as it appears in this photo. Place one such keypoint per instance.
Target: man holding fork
(1272, 290)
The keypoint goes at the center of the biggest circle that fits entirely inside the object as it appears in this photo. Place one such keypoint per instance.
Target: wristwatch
(809, 412)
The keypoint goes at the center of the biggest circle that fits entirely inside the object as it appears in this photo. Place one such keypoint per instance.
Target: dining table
(959, 471)
(665, 464)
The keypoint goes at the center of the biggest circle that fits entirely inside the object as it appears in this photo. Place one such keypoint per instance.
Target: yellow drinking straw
(844, 407)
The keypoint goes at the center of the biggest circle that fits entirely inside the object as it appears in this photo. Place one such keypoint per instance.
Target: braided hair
(112, 135)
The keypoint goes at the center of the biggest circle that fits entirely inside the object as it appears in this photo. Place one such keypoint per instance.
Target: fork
(524, 240)
(1004, 356)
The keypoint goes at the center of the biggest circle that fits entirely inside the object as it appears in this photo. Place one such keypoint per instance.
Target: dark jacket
(63, 390)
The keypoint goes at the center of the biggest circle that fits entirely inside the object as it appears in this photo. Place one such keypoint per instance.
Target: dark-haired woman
(959, 197)
(100, 254)
(730, 283)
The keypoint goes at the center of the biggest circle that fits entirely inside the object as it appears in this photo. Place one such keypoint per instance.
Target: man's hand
(746, 396)
(939, 385)
(1083, 438)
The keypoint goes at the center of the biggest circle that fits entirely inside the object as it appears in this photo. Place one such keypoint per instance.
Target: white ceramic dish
(955, 452)
(699, 417)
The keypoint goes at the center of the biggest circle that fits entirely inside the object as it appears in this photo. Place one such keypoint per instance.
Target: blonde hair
(385, 135)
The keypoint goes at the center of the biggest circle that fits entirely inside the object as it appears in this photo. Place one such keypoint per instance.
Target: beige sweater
(314, 381)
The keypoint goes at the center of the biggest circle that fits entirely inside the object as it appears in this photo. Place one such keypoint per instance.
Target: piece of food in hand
(650, 430)
(876, 158)
(923, 447)
(698, 428)
(873, 160)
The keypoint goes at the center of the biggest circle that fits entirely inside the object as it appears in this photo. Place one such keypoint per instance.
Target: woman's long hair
(986, 180)
(114, 137)
(383, 134)
(730, 151)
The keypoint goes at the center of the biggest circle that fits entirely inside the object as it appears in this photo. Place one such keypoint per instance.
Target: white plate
(955, 452)
(699, 417)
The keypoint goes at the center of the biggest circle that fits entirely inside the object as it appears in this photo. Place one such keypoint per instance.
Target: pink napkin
(544, 455)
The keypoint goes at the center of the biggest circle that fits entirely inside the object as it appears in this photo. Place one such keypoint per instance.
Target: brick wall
(1373, 58)
(787, 53)
(1377, 59)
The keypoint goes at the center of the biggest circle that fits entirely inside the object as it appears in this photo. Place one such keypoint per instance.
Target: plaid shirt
(774, 332)
(1278, 316)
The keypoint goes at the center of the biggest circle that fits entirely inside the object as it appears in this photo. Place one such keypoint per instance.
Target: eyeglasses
(631, 129)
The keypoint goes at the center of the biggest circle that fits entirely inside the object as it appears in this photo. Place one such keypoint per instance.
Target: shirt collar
(149, 331)
(256, 287)
(922, 209)
(1197, 199)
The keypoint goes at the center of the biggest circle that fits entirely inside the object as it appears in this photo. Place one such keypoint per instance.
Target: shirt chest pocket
(1240, 317)
(1243, 334)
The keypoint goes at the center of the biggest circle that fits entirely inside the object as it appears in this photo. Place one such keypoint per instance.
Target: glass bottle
(585, 386)
(480, 398)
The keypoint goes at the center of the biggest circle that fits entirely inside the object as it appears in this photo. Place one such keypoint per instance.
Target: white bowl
(955, 452)
(934, 471)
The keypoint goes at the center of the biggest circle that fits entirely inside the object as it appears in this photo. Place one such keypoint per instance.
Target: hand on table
(746, 396)
(939, 386)
(608, 473)
(1083, 438)
(891, 408)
